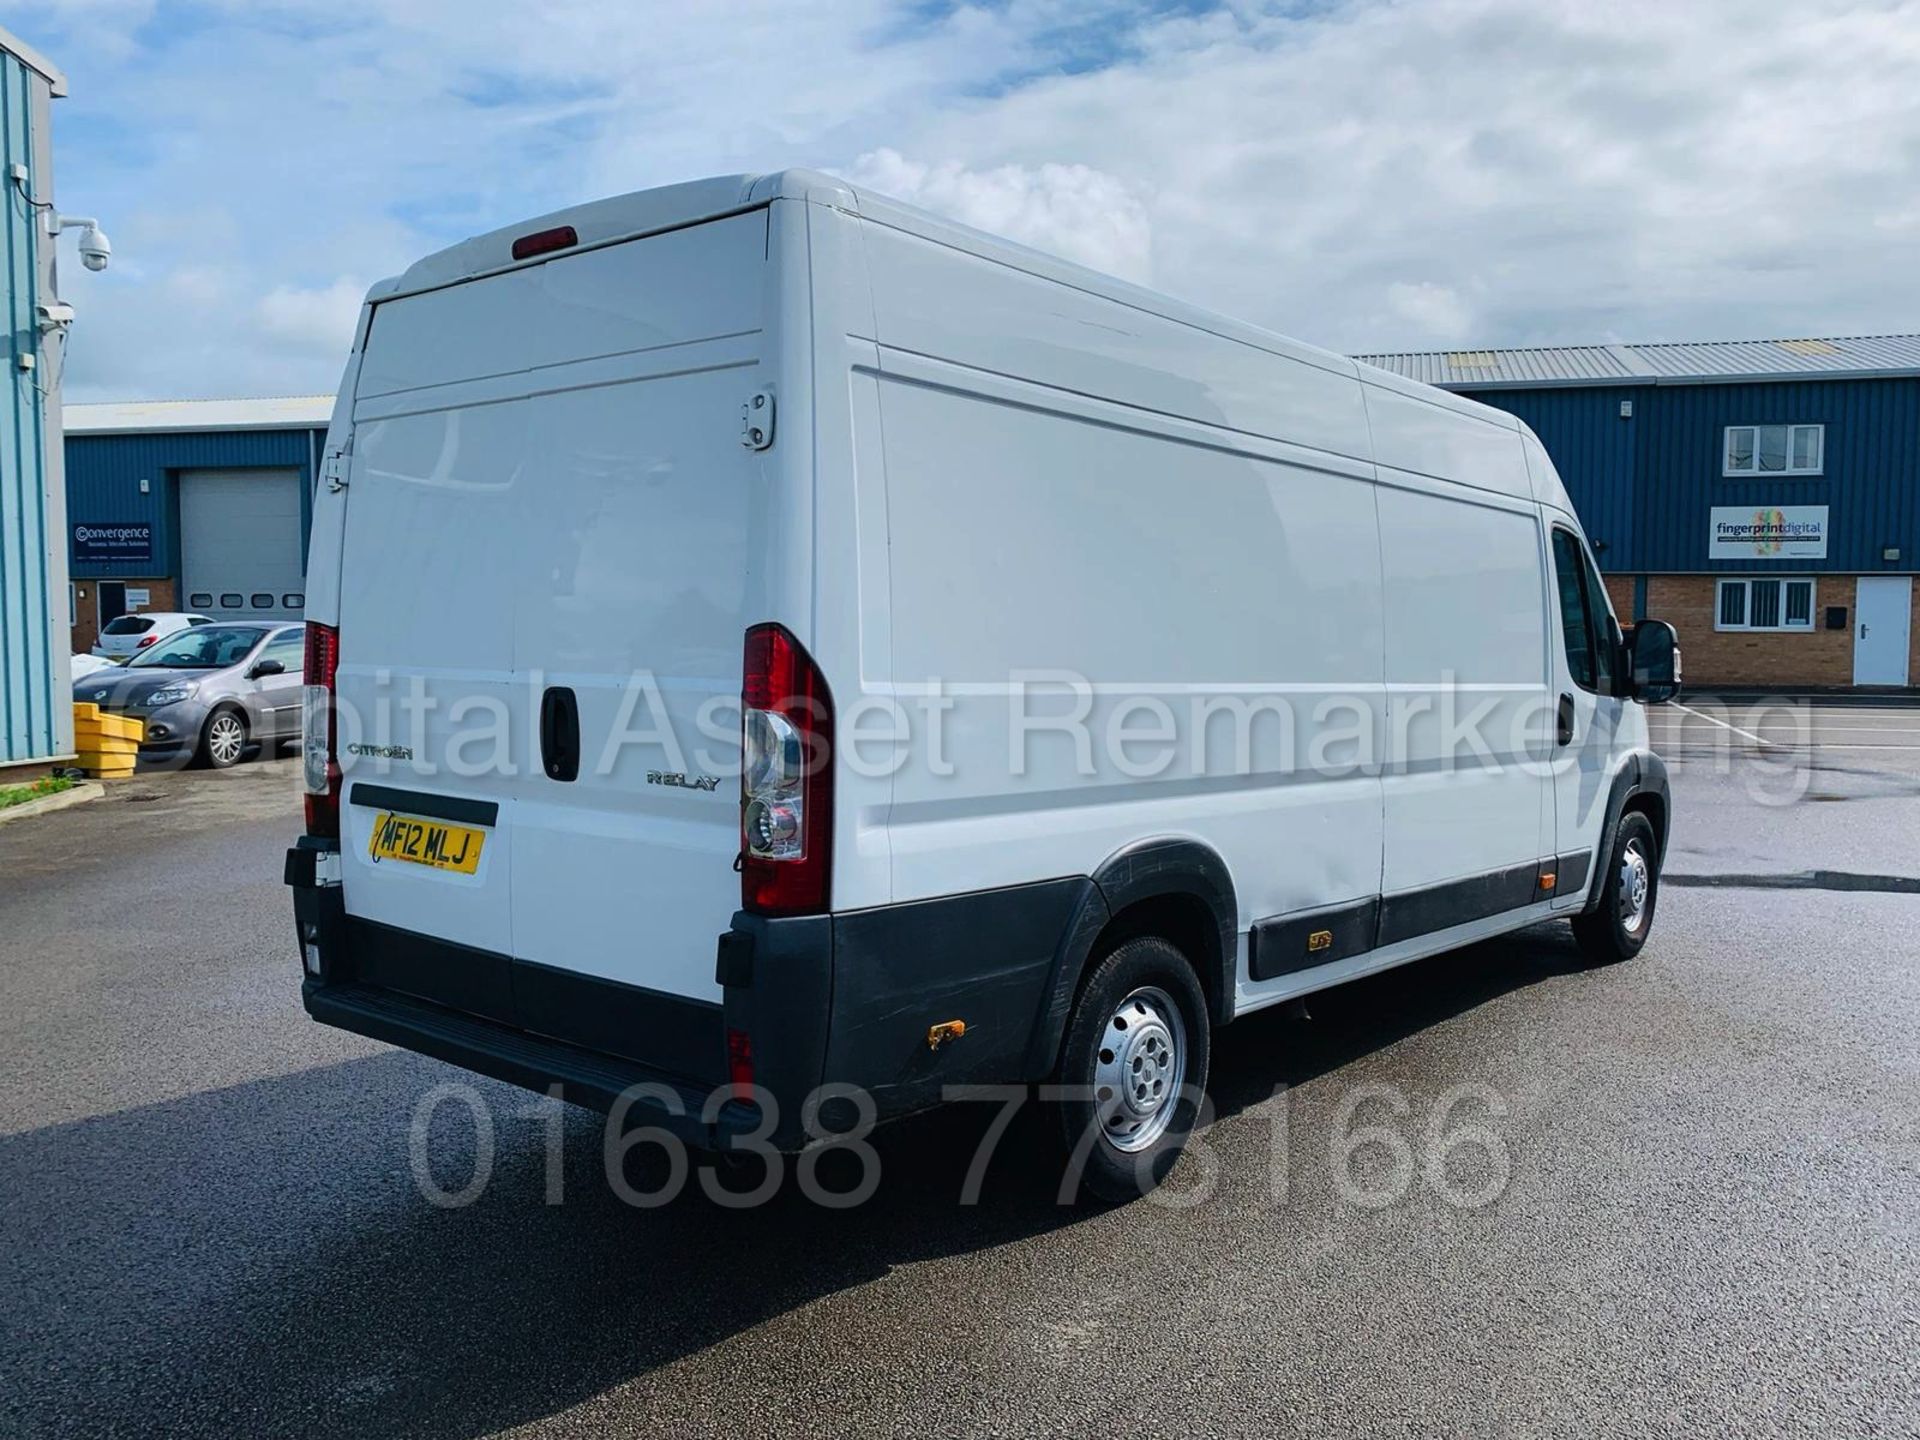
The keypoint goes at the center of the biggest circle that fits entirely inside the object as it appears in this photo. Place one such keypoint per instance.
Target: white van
(1103, 667)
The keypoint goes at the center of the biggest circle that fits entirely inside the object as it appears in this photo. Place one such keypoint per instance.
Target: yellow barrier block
(114, 749)
(105, 767)
(85, 710)
(129, 733)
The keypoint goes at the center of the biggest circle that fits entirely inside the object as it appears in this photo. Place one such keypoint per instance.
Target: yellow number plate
(426, 842)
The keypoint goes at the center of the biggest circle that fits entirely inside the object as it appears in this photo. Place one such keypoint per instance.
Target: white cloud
(1074, 211)
(321, 320)
(1435, 311)
(1360, 173)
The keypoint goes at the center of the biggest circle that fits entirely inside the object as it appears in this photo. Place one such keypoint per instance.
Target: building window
(1764, 604)
(1775, 450)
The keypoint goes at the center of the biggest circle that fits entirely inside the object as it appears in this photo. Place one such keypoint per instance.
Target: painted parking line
(1707, 749)
(1721, 723)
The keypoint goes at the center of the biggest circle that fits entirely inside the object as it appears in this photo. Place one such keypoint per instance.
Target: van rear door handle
(560, 733)
(1566, 720)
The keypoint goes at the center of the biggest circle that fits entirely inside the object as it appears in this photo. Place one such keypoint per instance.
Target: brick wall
(86, 621)
(1774, 659)
(1620, 592)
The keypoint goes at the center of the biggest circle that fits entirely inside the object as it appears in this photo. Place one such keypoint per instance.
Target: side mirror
(1655, 653)
(264, 668)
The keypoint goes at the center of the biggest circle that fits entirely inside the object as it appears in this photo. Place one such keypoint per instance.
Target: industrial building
(1763, 496)
(36, 713)
(194, 505)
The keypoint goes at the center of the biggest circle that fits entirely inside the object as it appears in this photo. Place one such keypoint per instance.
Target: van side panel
(936, 300)
(1466, 664)
(1100, 513)
(1444, 440)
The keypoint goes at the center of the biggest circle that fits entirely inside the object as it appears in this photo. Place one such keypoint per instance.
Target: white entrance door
(1882, 615)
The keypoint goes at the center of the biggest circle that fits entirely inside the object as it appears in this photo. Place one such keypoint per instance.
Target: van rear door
(547, 575)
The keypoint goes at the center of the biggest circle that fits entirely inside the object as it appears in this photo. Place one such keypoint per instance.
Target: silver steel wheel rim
(224, 739)
(1636, 886)
(1139, 1069)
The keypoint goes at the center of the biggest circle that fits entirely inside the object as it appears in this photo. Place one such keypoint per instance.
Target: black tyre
(1133, 1069)
(223, 739)
(1618, 924)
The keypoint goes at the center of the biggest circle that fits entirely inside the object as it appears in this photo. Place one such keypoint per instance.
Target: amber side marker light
(540, 242)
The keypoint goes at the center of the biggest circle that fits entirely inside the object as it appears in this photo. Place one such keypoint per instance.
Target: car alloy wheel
(226, 737)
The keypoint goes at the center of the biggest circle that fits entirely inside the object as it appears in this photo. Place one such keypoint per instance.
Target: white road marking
(1723, 725)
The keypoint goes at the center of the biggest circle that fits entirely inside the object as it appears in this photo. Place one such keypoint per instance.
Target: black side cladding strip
(1572, 868)
(1290, 943)
(434, 807)
(1457, 902)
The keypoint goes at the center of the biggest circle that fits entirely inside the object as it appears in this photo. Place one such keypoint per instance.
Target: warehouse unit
(1763, 496)
(36, 718)
(195, 505)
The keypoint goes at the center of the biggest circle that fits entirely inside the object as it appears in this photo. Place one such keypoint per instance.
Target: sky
(1365, 175)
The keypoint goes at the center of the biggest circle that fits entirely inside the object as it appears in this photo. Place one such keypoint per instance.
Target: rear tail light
(786, 778)
(146, 641)
(319, 761)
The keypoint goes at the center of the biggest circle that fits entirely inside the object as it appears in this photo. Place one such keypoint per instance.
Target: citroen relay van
(775, 656)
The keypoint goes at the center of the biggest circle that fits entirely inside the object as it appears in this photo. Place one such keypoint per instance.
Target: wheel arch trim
(1169, 867)
(1644, 773)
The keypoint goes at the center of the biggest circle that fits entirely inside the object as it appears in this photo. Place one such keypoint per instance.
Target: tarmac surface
(1676, 1195)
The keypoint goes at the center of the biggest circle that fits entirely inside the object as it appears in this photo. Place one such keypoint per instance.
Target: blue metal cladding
(29, 727)
(1646, 486)
(104, 474)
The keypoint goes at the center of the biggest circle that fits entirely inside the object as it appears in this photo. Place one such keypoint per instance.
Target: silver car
(210, 693)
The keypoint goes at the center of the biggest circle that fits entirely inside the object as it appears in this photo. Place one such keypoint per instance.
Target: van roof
(620, 217)
(669, 207)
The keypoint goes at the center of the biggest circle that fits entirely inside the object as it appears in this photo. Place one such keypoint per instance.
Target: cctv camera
(95, 249)
(96, 252)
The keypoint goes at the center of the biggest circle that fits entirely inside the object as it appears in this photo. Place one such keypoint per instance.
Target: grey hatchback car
(210, 693)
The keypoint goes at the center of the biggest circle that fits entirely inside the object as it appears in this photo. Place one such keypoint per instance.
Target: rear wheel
(1618, 925)
(1133, 1068)
(223, 739)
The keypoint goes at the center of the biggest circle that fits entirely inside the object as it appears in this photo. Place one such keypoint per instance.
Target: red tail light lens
(148, 640)
(319, 761)
(541, 242)
(786, 778)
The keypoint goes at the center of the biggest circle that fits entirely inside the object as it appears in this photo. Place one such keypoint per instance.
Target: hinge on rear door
(333, 470)
(756, 420)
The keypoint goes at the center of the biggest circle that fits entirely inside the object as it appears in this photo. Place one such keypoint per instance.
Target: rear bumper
(829, 1005)
(699, 1116)
(470, 1008)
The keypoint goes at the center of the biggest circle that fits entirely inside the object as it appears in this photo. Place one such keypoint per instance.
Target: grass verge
(11, 795)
